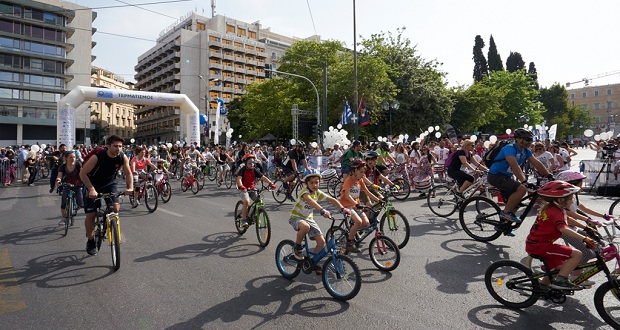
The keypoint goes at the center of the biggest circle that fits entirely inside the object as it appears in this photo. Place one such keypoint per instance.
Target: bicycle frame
(330, 247)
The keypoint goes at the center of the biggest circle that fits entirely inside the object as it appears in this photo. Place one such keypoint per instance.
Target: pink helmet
(570, 176)
(557, 189)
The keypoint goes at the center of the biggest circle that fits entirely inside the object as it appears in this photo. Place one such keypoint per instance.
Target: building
(206, 59)
(603, 103)
(111, 118)
(45, 51)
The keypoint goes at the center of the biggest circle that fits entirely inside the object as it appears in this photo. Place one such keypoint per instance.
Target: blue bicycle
(341, 276)
(71, 208)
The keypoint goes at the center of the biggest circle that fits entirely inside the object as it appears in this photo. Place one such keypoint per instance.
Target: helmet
(356, 143)
(248, 156)
(557, 189)
(301, 144)
(154, 153)
(357, 163)
(384, 146)
(257, 146)
(521, 133)
(570, 176)
(371, 155)
(160, 160)
(310, 173)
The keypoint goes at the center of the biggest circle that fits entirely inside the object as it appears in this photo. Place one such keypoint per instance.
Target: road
(185, 267)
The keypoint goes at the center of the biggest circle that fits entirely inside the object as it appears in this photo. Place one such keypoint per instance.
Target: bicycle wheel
(442, 201)
(69, 217)
(404, 191)
(336, 189)
(200, 177)
(340, 237)
(166, 192)
(115, 242)
(150, 198)
(177, 172)
(195, 186)
(384, 253)
(212, 173)
(395, 226)
(238, 208)
(479, 217)
(263, 227)
(184, 185)
(510, 283)
(287, 265)
(228, 179)
(612, 208)
(279, 194)
(607, 303)
(341, 277)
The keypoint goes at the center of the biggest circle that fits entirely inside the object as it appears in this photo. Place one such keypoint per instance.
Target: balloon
(331, 128)
(431, 129)
(228, 134)
(379, 138)
(493, 139)
(203, 119)
(418, 140)
(603, 136)
(292, 142)
(177, 142)
(487, 144)
(133, 140)
(43, 146)
(473, 138)
(400, 136)
(508, 131)
(406, 136)
(314, 144)
(35, 148)
(437, 127)
(438, 135)
(169, 145)
(597, 137)
(526, 126)
(339, 126)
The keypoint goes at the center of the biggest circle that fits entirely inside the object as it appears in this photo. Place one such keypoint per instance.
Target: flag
(346, 114)
(552, 131)
(364, 115)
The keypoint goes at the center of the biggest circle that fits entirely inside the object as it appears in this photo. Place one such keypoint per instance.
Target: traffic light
(316, 130)
(268, 70)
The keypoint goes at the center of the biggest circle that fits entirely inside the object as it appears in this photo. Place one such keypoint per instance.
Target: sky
(567, 40)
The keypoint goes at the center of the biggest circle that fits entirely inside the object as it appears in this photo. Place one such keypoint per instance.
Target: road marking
(11, 299)
(170, 212)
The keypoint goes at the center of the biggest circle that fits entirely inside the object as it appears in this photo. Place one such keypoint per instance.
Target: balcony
(229, 78)
(240, 80)
(250, 62)
(215, 66)
(229, 57)
(240, 70)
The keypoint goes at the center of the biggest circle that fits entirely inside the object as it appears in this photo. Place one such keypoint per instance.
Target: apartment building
(603, 103)
(207, 59)
(45, 51)
(111, 118)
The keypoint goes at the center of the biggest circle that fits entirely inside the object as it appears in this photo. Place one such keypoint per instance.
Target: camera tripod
(607, 167)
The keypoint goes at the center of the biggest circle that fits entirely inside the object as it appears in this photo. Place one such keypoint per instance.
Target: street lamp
(387, 106)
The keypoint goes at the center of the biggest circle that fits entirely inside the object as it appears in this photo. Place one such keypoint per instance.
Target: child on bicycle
(161, 170)
(246, 175)
(302, 218)
(551, 224)
(188, 167)
(352, 188)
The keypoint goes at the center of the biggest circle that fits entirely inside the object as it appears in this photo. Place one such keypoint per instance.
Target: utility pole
(355, 74)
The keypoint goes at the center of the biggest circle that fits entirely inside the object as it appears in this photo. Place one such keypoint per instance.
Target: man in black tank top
(98, 175)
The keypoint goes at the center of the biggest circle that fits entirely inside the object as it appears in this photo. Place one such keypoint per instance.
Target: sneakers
(587, 283)
(509, 216)
(51, 190)
(31, 185)
(298, 254)
(62, 222)
(352, 248)
(91, 247)
(564, 284)
(244, 223)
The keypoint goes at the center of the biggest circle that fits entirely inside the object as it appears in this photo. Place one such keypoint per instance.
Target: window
(230, 28)
(595, 93)
(610, 105)
(572, 96)
(584, 94)
(609, 92)
(200, 27)
(597, 106)
(241, 31)
(252, 34)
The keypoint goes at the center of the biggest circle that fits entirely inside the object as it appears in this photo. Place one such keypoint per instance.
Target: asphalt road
(185, 267)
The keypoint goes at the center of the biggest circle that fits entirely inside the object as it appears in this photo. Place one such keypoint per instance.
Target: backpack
(489, 157)
(93, 152)
(344, 157)
(448, 161)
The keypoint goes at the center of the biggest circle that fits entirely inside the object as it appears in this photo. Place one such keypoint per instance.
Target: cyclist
(302, 219)
(384, 158)
(221, 159)
(549, 226)
(352, 187)
(355, 152)
(138, 167)
(193, 153)
(175, 156)
(69, 172)
(374, 171)
(508, 163)
(463, 158)
(56, 159)
(98, 175)
(246, 176)
(290, 165)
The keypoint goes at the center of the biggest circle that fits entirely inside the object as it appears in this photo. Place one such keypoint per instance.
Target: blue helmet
(371, 155)
(310, 173)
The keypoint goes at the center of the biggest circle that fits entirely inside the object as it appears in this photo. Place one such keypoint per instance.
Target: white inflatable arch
(190, 121)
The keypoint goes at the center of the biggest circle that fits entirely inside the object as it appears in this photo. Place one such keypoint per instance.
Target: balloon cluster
(426, 133)
(335, 135)
(599, 137)
(229, 132)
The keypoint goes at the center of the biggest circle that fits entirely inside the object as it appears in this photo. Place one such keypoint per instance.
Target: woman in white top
(557, 158)
(543, 156)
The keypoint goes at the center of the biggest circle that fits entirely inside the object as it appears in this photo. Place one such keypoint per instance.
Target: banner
(363, 114)
(592, 168)
(552, 131)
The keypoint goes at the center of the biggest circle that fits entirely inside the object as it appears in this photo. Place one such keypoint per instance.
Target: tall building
(603, 103)
(45, 51)
(206, 59)
(111, 118)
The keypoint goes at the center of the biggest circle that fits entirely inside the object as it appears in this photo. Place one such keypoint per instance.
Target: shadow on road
(35, 235)
(432, 225)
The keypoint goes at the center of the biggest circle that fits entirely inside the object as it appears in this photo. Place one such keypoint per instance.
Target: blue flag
(346, 114)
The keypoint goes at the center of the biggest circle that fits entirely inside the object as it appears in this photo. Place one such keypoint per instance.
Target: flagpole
(355, 104)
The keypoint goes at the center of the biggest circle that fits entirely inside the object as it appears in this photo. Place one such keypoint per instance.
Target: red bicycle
(145, 190)
(163, 186)
(189, 181)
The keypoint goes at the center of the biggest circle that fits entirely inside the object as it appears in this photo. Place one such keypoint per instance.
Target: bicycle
(211, 170)
(392, 223)
(175, 169)
(280, 193)
(486, 225)
(228, 178)
(71, 208)
(340, 275)
(189, 181)
(163, 187)
(383, 252)
(256, 215)
(517, 286)
(108, 226)
(200, 175)
(443, 201)
(146, 190)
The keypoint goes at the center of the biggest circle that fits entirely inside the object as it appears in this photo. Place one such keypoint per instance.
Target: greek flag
(346, 114)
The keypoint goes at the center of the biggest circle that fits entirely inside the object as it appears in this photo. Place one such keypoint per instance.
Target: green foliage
(481, 69)
(495, 60)
(514, 62)
(533, 74)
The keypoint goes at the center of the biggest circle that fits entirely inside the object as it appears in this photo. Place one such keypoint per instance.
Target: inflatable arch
(190, 121)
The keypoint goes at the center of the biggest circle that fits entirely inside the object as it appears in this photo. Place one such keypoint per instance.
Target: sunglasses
(528, 139)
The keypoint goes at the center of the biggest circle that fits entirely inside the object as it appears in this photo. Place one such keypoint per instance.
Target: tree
(495, 60)
(476, 106)
(570, 119)
(531, 72)
(481, 69)
(514, 62)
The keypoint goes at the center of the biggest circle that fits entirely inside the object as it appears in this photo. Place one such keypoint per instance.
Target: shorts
(136, 177)
(91, 205)
(460, 176)
(248, 195)
(314, 227)
(345, 170)
(554, 254)
(505, 184)
(223, 167)
(287, 171)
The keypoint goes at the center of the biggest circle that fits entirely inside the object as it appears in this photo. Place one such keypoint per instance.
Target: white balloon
(508, 131)
(597, 137)
(604, 136)
(438, 135)
(178, 142)
(526, 126)
(345, 132)
(385, 139)
(437, 127)
(431, 129)
(43, 146)
(487, 144)
(473, 138)
(418, 140)
(400, 136)
(379, 138)
(314, 144)
(331, 128)
(169, 145)
(133, 140)
(292, 142)
(406, 136)
(339, 126)
(425, 133)
(228, 134)
(493, 139)
(35, 148)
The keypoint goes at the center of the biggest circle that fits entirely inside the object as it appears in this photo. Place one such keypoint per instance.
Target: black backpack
(489, 157)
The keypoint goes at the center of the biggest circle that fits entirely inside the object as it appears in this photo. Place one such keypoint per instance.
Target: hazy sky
(567, 40)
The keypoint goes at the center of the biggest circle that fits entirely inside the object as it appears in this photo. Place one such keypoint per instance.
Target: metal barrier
(8, 172)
